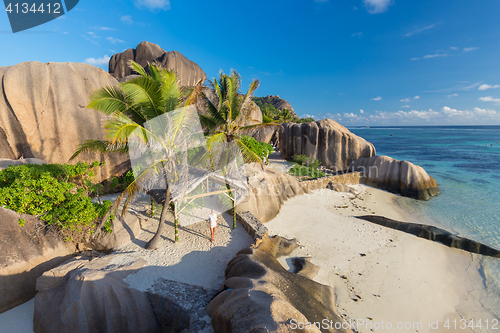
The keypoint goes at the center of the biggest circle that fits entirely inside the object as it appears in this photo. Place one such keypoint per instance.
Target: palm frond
(213, 111)
(219, 137)
(119, 128)
(138, 68)
(170, 91)
(143, 92)
(101, 146)
(108, 100)
(248, 155)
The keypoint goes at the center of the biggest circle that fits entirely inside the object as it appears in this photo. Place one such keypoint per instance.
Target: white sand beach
(193, 260)
(386, 279)
(381, 276)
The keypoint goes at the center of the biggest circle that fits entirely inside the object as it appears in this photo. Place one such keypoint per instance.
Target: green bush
(56, 193)
(305, 167)
(304, 120)
(261, 149)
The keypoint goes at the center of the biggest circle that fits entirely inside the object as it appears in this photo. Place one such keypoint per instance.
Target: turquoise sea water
(465, 162)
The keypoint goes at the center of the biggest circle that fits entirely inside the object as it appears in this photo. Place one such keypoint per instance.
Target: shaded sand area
(193, 260)
(383, 277)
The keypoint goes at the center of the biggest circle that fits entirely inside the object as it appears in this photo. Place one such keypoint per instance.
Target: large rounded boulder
(188, 71)
(400, 177)
(26, 253)
(43, 113)
(259, 295)
(333, 145)
(267, 191)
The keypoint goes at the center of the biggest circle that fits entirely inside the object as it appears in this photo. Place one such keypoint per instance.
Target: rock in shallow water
(434, 234)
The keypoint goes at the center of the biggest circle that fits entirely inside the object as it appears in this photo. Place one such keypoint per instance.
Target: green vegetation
(226, 119)
(128, 106)
(58, 194)
(261, 149)
(271, 114)
(304, 120)
(305, 167)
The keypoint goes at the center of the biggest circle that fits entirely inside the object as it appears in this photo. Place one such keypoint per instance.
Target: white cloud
(99, 61)
(405, 106)
(103, 28)
(489, 112)
(309, 116)
(454, 48)
(153, 4)
(453, 95)
(350, 115)
(357, 34)
(92, 34)
(454, 112)
(455, 88)
(414, 32)
(487, 86)
(490, 99)
(127, 19)
(467, 49)
(416, 97)
(377, 99)
(435, 55)
(377, 6)
(405, 100)
(361, 111)
(114, 40)
(414, 58)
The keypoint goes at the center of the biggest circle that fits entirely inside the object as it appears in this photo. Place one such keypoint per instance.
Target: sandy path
(193, 260)
(381, 275)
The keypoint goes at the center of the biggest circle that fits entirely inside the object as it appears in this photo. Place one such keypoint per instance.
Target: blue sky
(359, 62)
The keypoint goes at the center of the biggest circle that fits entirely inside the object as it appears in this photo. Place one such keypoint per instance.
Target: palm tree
(228, 113)
(129, 106)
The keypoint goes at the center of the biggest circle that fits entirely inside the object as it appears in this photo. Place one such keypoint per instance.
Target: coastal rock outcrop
(401, 177)
(263, 134)
(92, 295)
(267, 191)
(333, 145)
(5, 163)
(188, 71)
(43, 113)
(259, 295)
(25, 253)
(279, 104)
(434, 234)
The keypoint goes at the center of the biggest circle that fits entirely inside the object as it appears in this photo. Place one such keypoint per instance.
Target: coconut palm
(228, 113)
(128, 107)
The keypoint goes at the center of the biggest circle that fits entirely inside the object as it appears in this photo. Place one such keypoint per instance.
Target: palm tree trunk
(232, 201)
(153, 243)
(176, 222)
